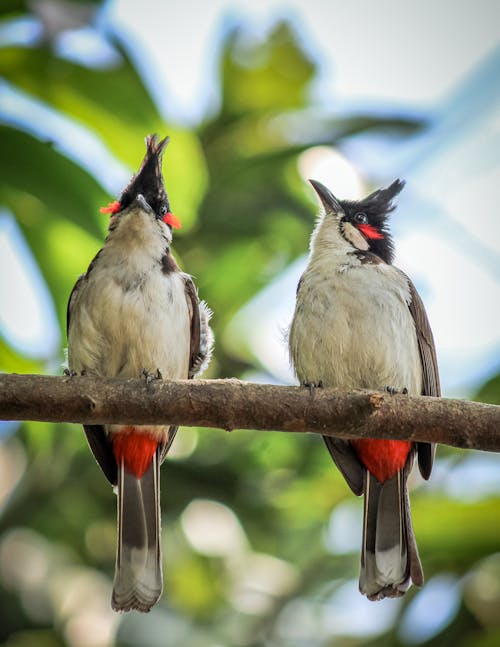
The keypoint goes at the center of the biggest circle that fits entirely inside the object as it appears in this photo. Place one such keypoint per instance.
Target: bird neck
(328, 246)
(137, 236)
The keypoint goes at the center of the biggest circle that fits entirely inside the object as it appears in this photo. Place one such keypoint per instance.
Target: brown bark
(231, 404)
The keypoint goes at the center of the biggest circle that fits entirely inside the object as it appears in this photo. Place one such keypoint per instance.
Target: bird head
(363, 224)
(146, 189)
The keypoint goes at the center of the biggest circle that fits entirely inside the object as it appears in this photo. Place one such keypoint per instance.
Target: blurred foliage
(247, 215)
(490, 391)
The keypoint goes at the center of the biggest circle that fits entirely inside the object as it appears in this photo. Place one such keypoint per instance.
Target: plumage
(360, 323)
(134, 311)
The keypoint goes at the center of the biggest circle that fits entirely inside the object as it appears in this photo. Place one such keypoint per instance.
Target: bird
(134, 313)
(359, 322)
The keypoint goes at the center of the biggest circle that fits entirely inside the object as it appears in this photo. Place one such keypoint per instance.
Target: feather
(430, 373)
(138, 573)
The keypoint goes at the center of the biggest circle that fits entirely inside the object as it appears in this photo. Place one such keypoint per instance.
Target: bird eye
(163, 209)
(360, 218)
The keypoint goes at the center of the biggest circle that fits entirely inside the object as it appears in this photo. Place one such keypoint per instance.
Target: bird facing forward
(360, 323)
(135, 312)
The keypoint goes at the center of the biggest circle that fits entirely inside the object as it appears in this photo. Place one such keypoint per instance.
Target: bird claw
(312, 385)
(151, 377)
(69, 373)
(393, 391)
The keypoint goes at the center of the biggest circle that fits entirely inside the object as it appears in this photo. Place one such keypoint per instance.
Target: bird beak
(328, 200)
(140, 202)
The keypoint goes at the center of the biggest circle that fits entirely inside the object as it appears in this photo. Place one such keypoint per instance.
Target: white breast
(352, 328)
(128, 317)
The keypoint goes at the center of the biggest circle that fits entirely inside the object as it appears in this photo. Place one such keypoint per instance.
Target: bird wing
(200, 348)
(99, 443)
(201, 334)
(71, 300)
(102, 448)
(345, 458)
(195, 326)
(430, 373)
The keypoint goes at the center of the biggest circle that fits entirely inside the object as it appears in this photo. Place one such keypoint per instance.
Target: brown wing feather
(345, 458)
(70, 300)
(194, 350)
(430, 373)
(76, 287)
(98, 442)
(194, 312)
(102, 449)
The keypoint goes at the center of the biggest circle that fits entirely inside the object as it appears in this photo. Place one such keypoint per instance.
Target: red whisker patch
(112, 207)
(370, 232)
(172, 220)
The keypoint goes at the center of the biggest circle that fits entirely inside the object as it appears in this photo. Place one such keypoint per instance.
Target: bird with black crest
(135, 313)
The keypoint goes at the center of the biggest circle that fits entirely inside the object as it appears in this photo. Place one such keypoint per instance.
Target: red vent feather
(382, 458)
(136, 449)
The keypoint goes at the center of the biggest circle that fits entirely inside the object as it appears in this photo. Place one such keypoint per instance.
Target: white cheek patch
(355, 237)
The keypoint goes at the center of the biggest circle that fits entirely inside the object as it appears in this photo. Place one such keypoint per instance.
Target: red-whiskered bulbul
(134, 312)
(360, 323)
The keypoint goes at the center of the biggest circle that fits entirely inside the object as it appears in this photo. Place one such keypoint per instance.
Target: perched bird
(360, 323)
(134, 312)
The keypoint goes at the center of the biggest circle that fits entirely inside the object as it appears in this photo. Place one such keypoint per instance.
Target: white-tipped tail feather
(389, 558)
(138, 576)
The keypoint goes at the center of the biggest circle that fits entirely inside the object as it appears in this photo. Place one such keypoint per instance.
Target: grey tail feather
(389, 558)
(138, 573)
(206, 341)
(164, 448)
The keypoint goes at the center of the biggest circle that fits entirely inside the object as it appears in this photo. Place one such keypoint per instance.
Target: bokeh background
(261, 534)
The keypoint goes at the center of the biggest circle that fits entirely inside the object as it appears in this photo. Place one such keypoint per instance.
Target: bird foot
(151, 377)
(69, 373)
(393, 391)
(312, 385)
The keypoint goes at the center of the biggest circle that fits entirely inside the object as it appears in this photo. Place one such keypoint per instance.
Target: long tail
(389, 558)
(138, 574)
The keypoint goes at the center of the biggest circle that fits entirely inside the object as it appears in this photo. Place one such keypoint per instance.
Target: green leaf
(490, 391)
(56, 203)
(52, 182)
(113, 102)
(266, 75)
(11, 361)
(13, 8)
(447, 530)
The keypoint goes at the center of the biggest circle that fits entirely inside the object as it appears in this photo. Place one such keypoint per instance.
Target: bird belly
(354, 329)
(121, 328)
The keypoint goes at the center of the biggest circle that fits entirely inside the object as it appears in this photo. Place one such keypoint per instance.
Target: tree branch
(231, 404)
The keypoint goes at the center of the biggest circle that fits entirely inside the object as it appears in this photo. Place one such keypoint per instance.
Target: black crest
(148, 180)
(377, 207)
